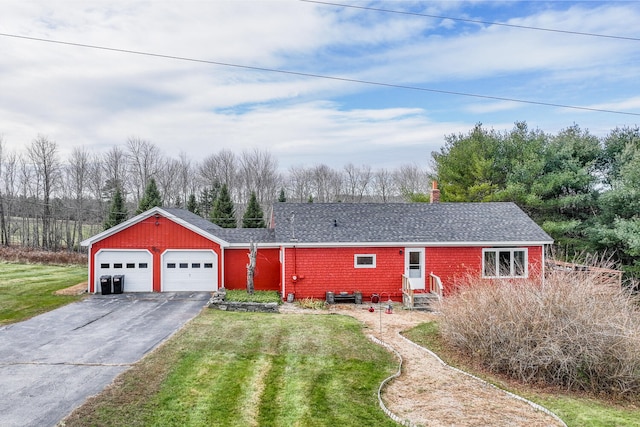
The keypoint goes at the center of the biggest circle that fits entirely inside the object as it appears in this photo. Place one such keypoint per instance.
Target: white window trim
(355, 261)
(512, 266)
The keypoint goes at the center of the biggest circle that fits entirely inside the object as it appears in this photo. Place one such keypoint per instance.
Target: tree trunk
(251, 267)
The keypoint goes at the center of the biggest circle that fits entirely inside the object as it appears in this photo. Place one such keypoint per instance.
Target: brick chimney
(434, 195)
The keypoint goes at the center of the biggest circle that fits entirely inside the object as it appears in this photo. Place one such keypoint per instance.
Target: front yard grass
(26, 290)
(251, 369)
(575, 410)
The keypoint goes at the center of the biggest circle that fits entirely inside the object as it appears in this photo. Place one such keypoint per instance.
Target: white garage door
(135, 265)
(195, 270)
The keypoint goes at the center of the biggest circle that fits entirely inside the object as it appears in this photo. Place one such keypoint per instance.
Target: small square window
(117, 265)
(131, 265)
(195, 265)
(171, 265)
(142, 265)
(104, 265)
(208, 265)
(184, 265)
(365, 261)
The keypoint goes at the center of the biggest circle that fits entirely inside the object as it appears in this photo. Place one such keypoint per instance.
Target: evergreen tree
(223, 213)
(117, 211)
(282, 198)
(208, 197)
(192, 204)
(253, 216)
(151, 197)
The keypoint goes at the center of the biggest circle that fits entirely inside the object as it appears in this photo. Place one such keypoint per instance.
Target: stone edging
(510, 394)
(254, 307)
(386, 410)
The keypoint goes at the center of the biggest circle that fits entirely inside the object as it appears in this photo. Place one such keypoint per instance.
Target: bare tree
(327, 183)
(221, 168)
(356, 181)
(8, 178)
(78, 173)
(115, 165)
(168, 182)
(187, 181)
(299, 183)
(383, 185)
(259, 173)
(145, 160)
(411, 179)
(44, 155)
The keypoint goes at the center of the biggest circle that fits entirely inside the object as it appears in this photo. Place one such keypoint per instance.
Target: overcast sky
(99, 98)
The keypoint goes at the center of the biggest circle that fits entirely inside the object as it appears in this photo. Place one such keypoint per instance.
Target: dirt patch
(429, 393)
(78, 289)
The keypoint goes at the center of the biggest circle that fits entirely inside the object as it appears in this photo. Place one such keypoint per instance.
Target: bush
(26, 255)
(313, 303)
(569, 332)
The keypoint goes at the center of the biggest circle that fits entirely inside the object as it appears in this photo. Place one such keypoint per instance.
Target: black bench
(354, 298)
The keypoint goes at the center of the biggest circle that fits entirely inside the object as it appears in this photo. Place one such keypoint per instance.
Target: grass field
(26, 290)
(251, 369)
(575, 411)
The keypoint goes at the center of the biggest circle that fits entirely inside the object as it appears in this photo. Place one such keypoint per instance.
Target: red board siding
(332, 269)
(155, 235)
(267, 273)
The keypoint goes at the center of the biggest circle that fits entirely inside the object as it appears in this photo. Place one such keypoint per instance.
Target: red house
(313, 248)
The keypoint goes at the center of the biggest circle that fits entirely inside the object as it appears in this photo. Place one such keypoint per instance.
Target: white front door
(414, 267)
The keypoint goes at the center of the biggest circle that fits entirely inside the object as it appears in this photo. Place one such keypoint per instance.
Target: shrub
(569, 332)
(313, 303)
(26, 255)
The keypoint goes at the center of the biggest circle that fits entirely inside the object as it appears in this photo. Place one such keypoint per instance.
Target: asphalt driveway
(50, 364)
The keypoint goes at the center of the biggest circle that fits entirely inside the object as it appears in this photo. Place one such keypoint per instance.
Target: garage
(135, 265)
(189, 270)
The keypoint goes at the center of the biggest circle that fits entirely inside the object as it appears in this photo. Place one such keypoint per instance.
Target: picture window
(504, 263)
(364, 261)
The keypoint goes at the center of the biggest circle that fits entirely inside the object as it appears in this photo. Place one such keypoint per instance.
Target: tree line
(51, 202)
(583, 190)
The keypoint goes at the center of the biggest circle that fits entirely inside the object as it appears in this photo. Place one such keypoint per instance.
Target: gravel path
(429, 393)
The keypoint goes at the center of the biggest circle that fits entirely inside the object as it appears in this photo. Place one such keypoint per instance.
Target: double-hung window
(504, 262)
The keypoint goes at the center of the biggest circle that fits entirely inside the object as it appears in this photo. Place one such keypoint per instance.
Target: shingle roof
(230, 235)
(404, 222)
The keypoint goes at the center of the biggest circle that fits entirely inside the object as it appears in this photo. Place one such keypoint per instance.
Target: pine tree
(192, 204)
(253, 216)
(282, 198)
(223, 212)
(151, 197)
(117, 212)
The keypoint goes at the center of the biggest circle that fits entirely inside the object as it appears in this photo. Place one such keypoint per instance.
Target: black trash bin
(105, 285)
(118, 284)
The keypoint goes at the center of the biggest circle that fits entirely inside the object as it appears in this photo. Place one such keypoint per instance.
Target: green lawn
(26, 290)
(574, 410)
(251, 369)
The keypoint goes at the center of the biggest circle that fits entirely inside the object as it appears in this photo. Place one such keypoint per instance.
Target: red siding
(453, 264)
(332, 269)
(267, 274)
(155, 235)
